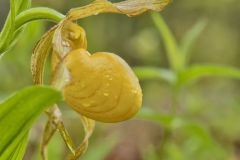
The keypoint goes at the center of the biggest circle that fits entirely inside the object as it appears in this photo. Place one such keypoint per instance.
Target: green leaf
(16, 148)
(192, 132)
(8, 29)
(167, 121)
(173, 51)
(190, 39)
(12, 11)
(8, 34)
(18, 154)
(19, 149)
(176, 123)
(146, 73)
(11, 30)
(199, 71)
(17, 115)
(22, 5)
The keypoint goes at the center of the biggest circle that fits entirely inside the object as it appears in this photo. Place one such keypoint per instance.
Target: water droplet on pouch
(134, 91)
(105, 94)
(86, 104)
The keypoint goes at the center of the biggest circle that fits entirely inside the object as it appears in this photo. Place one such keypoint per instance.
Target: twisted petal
(128, 7)
(89, 126)
(40, 54)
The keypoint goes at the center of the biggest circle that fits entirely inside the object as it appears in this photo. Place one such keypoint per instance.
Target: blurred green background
(207, 123)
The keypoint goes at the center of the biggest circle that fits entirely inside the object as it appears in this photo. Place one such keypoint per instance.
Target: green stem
(23, 18)
(167, 134)
(175, 99)
(173, 52)
(37, 14)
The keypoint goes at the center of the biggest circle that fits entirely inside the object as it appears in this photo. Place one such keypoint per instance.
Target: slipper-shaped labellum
(102, 86)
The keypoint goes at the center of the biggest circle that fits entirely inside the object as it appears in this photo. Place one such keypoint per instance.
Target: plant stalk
(38, 13)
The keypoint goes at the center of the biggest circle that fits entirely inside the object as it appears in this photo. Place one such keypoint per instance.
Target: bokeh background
(211, 105)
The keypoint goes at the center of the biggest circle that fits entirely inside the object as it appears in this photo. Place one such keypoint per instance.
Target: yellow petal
(40, 55)
(128, 7)
(102, 86)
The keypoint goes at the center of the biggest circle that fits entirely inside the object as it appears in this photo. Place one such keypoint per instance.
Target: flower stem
(37, 14)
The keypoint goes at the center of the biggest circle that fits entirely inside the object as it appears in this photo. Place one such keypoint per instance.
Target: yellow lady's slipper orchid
(99, 86)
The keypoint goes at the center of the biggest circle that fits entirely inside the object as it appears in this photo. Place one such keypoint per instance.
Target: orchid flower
(99, 86)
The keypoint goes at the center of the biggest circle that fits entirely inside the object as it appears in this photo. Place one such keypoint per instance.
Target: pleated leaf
(17, 115)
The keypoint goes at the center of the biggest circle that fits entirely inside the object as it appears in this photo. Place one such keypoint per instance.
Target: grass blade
(146, 73)
(190, 39)
(200, 71)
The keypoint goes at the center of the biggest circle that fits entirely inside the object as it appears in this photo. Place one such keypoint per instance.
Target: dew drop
(134, 91)
(86, 104)
(105, 94)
